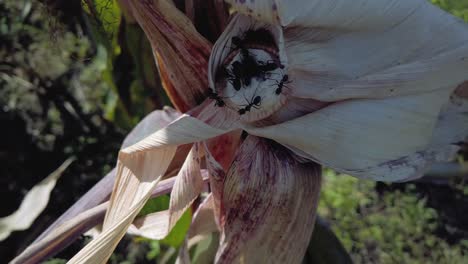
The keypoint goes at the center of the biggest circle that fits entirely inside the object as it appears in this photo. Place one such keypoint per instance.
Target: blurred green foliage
(458, 8)
(392, 227)
(55, 261)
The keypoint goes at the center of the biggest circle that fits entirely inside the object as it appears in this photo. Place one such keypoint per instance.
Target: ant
(247, 67)
(239, 44)
(254, 103)
(213, 95)
(281, 84)
(231, 77)
(239, 71)
(269, 65)
(242, 71)
(260, 35)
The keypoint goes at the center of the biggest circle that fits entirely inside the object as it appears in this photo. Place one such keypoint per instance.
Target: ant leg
(256, 106)
(246, 100)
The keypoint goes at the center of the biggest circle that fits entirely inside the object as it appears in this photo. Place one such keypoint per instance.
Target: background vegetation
(75, 78)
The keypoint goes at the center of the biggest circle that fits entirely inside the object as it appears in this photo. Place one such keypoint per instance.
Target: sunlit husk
(179, 49)
(137, 175)
(315, 78)
(338, 50)
(102, 190)
(70, 228)
(188, 185)
(152, 226)
(203, 221)
(339, 14)
(269, 201)
(365, 138)
(383, 74)
(140, 167)
(217, 178)
(151, 123)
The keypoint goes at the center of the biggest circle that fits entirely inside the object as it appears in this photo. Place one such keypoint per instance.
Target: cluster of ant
(242, 71)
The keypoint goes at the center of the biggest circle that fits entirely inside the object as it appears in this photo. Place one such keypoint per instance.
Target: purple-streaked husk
(384, 86)
(269, 203)
(203, 221)
(70, 229)
(182, 53)
(101, 191)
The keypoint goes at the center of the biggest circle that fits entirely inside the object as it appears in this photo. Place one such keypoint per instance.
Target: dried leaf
(182, 53)
(70, 229)
(269, 201)
(33, 203)
(151, 123)
(62, 235)
(365, 138)
(187, 187)
(152, 226)
(342, 53)
(203, 219)
(102, 190)
(139, 169)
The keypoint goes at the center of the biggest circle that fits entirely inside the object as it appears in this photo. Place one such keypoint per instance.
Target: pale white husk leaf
(361, 137)
(384, 73)
(139, 169)
(187, 186)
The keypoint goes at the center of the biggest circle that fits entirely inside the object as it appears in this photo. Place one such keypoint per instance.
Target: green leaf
(157, 204)
(177, 234)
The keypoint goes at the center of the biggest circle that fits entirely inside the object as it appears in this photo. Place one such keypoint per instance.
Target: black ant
(247, 67)
(242, 71)
(254, 103)
(213, 95)
(269, 66)
(231, 77)
(239, 44)
(245, 70)
(260, 35)
(281, 84)
(239, 71)
(246, 56)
